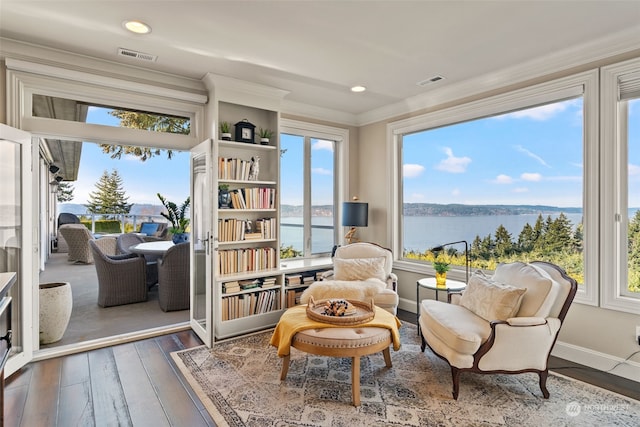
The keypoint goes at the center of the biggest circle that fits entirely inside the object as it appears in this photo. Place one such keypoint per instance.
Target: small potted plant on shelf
(225, 131)
(441, 269)
(265, 135)
(177, 217)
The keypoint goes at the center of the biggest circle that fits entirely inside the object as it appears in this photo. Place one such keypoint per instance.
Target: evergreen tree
(109, 197)
(578, 237)
(486, 248)
(65, 192)
(559, 235)
(538, 234)
(526, 239)
(503, 243)
(145, 121)
(475, 250)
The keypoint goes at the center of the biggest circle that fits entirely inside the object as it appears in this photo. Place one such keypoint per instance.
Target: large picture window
(509, 175)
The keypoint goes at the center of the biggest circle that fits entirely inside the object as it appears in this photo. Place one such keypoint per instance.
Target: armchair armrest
(526, 321)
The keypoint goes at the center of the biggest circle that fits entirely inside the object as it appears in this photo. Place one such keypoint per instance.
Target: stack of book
(230, 287)
(293, 279)
(236, 169)
(268, 282)
(247, 259)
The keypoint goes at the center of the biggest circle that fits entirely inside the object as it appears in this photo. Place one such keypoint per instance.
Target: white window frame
(584, 84)
(341, 159)
(615, 190)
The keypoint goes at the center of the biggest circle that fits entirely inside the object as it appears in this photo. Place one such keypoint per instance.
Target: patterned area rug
(239, 383)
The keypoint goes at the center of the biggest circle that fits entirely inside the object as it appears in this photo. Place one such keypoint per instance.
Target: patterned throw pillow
(491, 300)
(359, 268)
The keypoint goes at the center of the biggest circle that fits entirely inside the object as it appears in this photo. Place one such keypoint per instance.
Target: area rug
(239, 383)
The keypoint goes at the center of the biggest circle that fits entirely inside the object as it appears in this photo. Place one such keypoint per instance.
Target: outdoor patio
(88, 320)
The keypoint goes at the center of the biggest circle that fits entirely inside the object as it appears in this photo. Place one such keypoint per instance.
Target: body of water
(424, 232)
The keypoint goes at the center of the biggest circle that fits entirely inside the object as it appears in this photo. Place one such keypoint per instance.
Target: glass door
(201, 241)
(18, 245)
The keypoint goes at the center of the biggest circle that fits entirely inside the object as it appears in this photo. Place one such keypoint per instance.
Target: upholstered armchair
(507, 323)
(360, 271)
(173, 278)
(63, 219)
(121, 278)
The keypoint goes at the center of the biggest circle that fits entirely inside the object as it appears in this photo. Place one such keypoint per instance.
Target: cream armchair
(507, 323)
(360, 271)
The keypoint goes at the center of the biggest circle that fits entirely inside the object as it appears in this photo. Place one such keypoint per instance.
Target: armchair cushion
(491, 300)
(359, 268)
(149, 228)
(537, 282)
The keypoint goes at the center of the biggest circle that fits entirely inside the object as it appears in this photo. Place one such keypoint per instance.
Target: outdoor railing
(123, 219)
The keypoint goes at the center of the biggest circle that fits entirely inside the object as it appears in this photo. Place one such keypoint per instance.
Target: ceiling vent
(128, 53)
(430, 80)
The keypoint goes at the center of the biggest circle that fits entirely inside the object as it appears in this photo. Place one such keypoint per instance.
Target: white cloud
(410, 170)
(534, 177)
(322, 144)
(539, 159)
(633, 169)
(575, 178)
(503, 179)
(543, 112)
(453, 164)
(521, 190)
(321, 171)
(455, 192)
(415, 198)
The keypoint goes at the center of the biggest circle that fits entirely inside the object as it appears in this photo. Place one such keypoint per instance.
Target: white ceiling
(318, 49)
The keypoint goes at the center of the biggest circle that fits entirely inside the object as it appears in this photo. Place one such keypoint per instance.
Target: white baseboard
(573, 353)
(597, 360)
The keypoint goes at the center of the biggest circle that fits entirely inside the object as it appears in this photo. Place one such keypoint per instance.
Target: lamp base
(350, 237)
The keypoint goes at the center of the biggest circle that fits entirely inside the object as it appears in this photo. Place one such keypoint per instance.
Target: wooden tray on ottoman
(364, 312)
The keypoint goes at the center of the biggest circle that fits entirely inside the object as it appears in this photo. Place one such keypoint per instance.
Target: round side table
(430, 283)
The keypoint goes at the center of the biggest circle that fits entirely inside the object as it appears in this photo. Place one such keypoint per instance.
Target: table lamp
(354, 214)
(466, 253)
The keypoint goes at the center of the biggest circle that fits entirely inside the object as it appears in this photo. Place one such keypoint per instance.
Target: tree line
(552, 240)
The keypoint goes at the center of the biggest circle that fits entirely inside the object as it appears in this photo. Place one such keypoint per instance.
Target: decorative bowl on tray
(340, 311)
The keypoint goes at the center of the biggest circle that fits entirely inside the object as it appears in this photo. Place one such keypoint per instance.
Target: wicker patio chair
(173, 278)
(77, 237)
(125, 241)
(63, 219)
(121, 278)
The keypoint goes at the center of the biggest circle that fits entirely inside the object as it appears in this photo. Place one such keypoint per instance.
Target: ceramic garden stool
(56, 303)
(349, 341)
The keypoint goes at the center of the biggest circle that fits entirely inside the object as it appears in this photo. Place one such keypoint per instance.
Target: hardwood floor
(137, 384)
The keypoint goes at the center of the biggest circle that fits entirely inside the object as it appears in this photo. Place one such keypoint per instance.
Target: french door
(18, 242)
(202, 245)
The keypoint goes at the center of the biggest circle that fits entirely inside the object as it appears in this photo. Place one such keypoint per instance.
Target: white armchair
(360, 271)
(508, 323)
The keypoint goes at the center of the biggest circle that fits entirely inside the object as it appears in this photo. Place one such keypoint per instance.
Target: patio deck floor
(90, 321)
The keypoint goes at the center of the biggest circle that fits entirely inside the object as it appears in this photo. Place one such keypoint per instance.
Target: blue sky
(532, 156)
(141, 180)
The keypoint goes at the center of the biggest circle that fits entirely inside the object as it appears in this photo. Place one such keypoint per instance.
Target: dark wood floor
(137, 384)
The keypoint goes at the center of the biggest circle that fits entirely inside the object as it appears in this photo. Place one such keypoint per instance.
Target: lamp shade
(355, 214)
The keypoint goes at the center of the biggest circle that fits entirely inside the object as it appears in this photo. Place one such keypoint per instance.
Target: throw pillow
(491, 300)
(521, 275)
(148, 228)
(359, 268)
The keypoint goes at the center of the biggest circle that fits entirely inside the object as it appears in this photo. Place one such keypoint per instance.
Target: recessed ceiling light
(137, 27)
(358, 88)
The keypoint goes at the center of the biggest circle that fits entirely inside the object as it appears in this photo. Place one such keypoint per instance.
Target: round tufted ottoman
(350, 341)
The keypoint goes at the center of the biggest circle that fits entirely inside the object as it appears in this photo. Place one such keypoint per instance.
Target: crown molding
(319, 113)
(592, 52)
